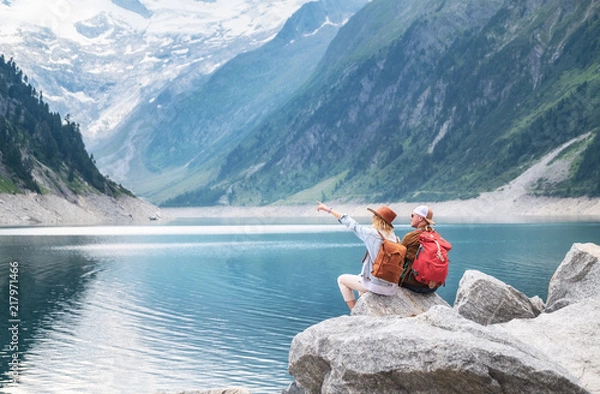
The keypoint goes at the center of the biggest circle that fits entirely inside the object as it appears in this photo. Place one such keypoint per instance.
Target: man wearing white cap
(422, 220)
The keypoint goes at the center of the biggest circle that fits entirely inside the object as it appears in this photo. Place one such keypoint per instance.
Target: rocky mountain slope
(46, 175)
(161, 146)
(411, 100)
(431, 100)
(511, 203)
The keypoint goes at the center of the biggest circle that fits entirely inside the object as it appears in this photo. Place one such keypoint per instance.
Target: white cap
(426, 212)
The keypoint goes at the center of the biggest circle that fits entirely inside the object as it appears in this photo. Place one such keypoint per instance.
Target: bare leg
(348, 284)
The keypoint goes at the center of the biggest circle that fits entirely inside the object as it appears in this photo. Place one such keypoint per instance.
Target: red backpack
(430, 265)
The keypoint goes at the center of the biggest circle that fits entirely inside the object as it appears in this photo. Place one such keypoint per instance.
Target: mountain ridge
(428, 101)
(485, 99)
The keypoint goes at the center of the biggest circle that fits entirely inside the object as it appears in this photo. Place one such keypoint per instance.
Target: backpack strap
(382, 239)
(405, 271)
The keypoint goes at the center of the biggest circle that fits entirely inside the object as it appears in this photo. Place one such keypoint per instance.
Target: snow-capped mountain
(98, 59)
(193, 121)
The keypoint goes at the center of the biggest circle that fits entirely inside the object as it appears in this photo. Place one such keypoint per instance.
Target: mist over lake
(198, 304)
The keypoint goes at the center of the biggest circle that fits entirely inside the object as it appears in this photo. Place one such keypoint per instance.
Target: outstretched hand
(322, 207)
(330, 210)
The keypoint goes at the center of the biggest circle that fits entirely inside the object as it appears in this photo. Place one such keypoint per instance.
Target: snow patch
(111, 53)
(327, 22)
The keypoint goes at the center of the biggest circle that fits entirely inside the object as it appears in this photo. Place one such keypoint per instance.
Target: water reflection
(48, 288)
(139, 313)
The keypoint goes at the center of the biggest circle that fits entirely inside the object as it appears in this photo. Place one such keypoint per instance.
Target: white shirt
(372, 241)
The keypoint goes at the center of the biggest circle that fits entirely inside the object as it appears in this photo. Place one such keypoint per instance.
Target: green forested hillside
(177, 140)
(38, 151)
(430, 100)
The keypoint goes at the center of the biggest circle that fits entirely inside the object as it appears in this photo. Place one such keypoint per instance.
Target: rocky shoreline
(502, 206)
(92, 209)
(487, 208)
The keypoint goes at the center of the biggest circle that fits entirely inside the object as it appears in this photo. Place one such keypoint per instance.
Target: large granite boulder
(404, 304)
(577, 277)
(568, 337)
(494, 340)
(436, 352)
(487, 300)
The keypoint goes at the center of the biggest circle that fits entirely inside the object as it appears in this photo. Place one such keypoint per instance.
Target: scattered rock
(538, 304)
(405, 304)
(487, 300)
(577, 277)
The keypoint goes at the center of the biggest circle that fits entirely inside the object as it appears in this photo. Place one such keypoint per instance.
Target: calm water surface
(197, 305)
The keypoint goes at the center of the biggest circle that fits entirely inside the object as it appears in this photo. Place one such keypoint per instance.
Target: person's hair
(381, 225)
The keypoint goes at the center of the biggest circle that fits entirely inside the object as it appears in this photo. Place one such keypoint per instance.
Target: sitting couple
(421, 220)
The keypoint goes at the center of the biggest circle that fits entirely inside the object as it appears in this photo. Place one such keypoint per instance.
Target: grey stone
(294, 388)
(569, 337)
(231, 390)
(436, 352)
(405, 304)
(538, 304)
(576, 278)
(487, 300)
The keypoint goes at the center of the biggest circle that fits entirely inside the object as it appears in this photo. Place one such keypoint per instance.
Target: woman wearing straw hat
(365, 281)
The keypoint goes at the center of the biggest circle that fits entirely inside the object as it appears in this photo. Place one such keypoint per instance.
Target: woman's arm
(325, 208)
(366, 234)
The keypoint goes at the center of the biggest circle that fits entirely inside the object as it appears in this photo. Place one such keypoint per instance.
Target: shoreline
(33, 209)
(50, 210)
(484, 209)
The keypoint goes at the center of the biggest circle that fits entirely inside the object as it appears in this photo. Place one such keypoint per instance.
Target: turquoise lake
(199, 304)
